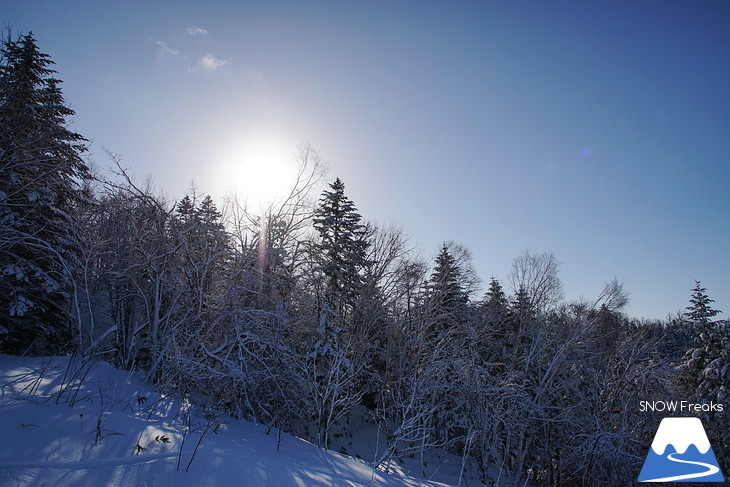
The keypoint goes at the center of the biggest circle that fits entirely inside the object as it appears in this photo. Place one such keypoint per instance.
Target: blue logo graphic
(681, 452)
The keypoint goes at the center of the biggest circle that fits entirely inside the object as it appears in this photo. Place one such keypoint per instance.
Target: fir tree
(185, 210)
(209, 214)
(446, 297)
(700, 313)
(492, 330)
(706, 371)
(342, 247)
(522, 310)
(495, 302)
(446, 290)
(521, 318)
(42, 175)
(204, 247)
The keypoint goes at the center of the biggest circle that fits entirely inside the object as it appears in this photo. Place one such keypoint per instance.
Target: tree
(446, 297)
(185, 210)
(42, 177)
(522, 314)
(700, 312)
(446, 289)
(537, 275)
(137, 290)
(330, 377)
(203, 247)
(706, 371)
(492, 331)
(495, 303)
(342, 248)
(606, 317)
(494, 311)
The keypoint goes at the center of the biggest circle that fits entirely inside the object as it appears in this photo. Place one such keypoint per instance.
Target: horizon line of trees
(304, 315)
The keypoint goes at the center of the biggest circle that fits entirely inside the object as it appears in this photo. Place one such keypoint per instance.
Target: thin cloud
(165, 50)
(209, 63)
(194, 30)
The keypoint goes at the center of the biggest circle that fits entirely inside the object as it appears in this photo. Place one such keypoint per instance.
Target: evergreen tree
(522, 310)
(42, 175)
(446, 290)
(707, 367)
(607, 326)
(493, 316)
(342, 247)
(446, 297)
(521, 319)
(185, 210)
(495, 304)
(700, 313)
(204, 248)
(209, 215)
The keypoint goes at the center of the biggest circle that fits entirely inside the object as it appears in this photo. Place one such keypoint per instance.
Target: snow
(66, 422)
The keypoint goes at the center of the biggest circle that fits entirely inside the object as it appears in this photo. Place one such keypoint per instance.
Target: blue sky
(600, 131)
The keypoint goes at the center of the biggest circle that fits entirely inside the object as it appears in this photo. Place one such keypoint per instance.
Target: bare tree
(537, 274)
(330, 376)
(613, 297)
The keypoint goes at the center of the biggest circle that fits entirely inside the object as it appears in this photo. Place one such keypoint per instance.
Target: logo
(681, 452)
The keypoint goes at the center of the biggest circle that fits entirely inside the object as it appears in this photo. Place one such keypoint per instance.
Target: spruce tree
(493, 322)
(447, 299)
(446, 290)
(203, 247)
(341, 256)
(522, 310)
(185, 210)
(42, 175)
(700, 313)
(520, 321)
(209, 215)
(706, 371)
(342, 247)
(495, 302)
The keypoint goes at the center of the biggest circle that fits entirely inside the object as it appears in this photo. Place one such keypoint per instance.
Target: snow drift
(68, 422)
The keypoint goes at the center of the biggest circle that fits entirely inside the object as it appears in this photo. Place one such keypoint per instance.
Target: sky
(599, 131)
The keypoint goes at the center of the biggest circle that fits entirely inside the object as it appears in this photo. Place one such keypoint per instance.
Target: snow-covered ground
(68, 423)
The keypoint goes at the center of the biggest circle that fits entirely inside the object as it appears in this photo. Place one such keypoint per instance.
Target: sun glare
(259, 168)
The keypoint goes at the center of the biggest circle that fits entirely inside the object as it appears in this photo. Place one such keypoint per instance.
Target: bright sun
(259, 167)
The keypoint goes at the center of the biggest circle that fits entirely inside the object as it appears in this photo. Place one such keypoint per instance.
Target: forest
(305, 314)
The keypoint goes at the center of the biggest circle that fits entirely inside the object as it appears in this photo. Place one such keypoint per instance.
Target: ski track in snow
(711, 470)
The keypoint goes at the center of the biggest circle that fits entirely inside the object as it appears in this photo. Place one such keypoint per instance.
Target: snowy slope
(66, 423)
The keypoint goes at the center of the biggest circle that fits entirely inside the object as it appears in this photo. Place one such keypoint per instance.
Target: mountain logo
(681, 452)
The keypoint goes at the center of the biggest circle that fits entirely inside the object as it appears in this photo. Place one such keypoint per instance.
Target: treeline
(304, 314)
